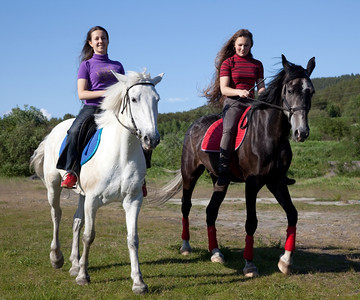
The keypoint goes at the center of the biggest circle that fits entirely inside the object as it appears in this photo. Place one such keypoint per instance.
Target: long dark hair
(87, 51)
(212, 92)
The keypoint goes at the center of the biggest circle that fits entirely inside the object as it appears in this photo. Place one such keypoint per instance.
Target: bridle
(290, 109)
(126, 103)
(287, 108)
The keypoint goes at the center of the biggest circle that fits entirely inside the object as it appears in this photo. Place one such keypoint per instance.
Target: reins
(287, 108)
(135, 131)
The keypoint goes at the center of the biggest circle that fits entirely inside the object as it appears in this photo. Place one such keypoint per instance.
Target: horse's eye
(290, 92)
(133, 100)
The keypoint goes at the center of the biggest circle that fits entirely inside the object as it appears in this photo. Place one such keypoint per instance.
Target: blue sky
(41, 42)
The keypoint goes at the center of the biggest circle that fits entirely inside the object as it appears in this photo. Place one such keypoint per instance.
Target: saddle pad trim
(92, 146)
(212, 137)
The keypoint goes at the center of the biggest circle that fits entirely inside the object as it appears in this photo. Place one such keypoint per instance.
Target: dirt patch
(329, 227)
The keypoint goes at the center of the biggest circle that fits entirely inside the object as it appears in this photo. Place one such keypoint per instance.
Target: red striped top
(243, 72)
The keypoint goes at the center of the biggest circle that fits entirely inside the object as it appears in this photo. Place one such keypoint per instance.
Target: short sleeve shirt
(243, 72)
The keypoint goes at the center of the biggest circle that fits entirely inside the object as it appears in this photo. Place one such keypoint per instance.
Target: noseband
(135, 131)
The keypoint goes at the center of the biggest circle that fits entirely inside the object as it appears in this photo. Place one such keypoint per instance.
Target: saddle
(88, 140)
(212, 137)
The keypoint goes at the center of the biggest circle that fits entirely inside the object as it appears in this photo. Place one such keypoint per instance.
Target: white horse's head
(134, 101)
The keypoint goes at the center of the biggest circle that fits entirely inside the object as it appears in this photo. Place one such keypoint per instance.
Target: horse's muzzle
(150, 142)
(301, 135)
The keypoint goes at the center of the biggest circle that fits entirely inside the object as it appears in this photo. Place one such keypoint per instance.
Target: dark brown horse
(263, 159)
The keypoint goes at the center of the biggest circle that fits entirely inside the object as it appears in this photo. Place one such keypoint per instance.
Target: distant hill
(336, 93)
(324, 82)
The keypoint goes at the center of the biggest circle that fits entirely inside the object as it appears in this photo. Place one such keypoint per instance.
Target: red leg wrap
(249, 247)
(212, 238)
(185, 232)
(290, 238)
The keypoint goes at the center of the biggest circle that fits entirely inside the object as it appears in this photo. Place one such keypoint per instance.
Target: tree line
(334, 116)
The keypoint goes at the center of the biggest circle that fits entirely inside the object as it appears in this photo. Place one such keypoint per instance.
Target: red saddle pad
(212, 137)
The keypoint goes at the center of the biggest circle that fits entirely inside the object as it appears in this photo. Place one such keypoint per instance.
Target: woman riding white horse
(129, 123)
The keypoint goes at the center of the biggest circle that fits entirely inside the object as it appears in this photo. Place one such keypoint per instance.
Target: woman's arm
(84, 93)
(226, 90)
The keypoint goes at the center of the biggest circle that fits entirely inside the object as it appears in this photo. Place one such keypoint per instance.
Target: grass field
(326, 263)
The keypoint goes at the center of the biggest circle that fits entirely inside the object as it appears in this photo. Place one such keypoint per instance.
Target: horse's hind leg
(78, 223)
(189, 182)
(54, 191)
(281, 193)
(212, 212)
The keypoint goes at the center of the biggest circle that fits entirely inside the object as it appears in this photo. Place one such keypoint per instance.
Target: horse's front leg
(56, 256)
(78, 223)
(281, 193)
(252, 188)
(212, 211)
(88, 237)
(132, 213)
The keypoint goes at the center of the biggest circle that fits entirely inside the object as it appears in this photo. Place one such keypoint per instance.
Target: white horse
(116, 172)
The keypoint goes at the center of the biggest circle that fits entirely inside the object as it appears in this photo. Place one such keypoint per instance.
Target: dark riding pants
(232, 111)
(69, 159)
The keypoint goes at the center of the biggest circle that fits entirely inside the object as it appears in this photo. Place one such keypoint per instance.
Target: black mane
(272, 93)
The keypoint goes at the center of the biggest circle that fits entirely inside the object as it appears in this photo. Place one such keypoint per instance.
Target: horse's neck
(273, 122)
(119, 141)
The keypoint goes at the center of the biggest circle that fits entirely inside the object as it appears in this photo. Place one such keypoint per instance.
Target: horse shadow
(317, 260)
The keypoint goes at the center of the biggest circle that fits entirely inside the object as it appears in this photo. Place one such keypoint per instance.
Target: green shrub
(21, 132)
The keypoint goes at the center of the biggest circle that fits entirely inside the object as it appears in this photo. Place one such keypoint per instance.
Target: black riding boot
(224, 168)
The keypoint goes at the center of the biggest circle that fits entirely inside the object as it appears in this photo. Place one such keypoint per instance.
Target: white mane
(115, 95)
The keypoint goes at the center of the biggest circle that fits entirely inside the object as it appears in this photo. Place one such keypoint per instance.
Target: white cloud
(45, 113)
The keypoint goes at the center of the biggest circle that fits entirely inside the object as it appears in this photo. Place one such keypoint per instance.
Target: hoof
(185, 252)
(284, 267)
(217, 256)
(250, 271)
(185, 248)
(57, 261)
(82, 280)
(140, 289)
(74, 271)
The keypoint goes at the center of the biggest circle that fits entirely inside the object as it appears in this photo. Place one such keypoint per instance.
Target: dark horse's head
(292, 89)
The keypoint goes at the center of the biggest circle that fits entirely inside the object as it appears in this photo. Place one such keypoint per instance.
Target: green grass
(26, 273)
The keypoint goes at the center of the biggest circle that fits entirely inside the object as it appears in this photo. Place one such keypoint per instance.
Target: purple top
(97, 70)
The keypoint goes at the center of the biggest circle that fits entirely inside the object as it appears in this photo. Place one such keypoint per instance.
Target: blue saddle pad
(89, 149)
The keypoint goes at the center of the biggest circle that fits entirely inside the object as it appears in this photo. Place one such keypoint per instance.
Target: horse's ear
(119, 77)
(285, 63)
(157, 79)
(310, 66)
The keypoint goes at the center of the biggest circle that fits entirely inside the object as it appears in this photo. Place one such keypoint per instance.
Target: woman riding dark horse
(263, 158)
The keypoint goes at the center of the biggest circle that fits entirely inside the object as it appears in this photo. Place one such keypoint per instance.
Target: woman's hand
(243, 93)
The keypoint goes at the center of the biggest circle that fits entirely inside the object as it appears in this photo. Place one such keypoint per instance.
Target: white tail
(37, 160)
(163, 194)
